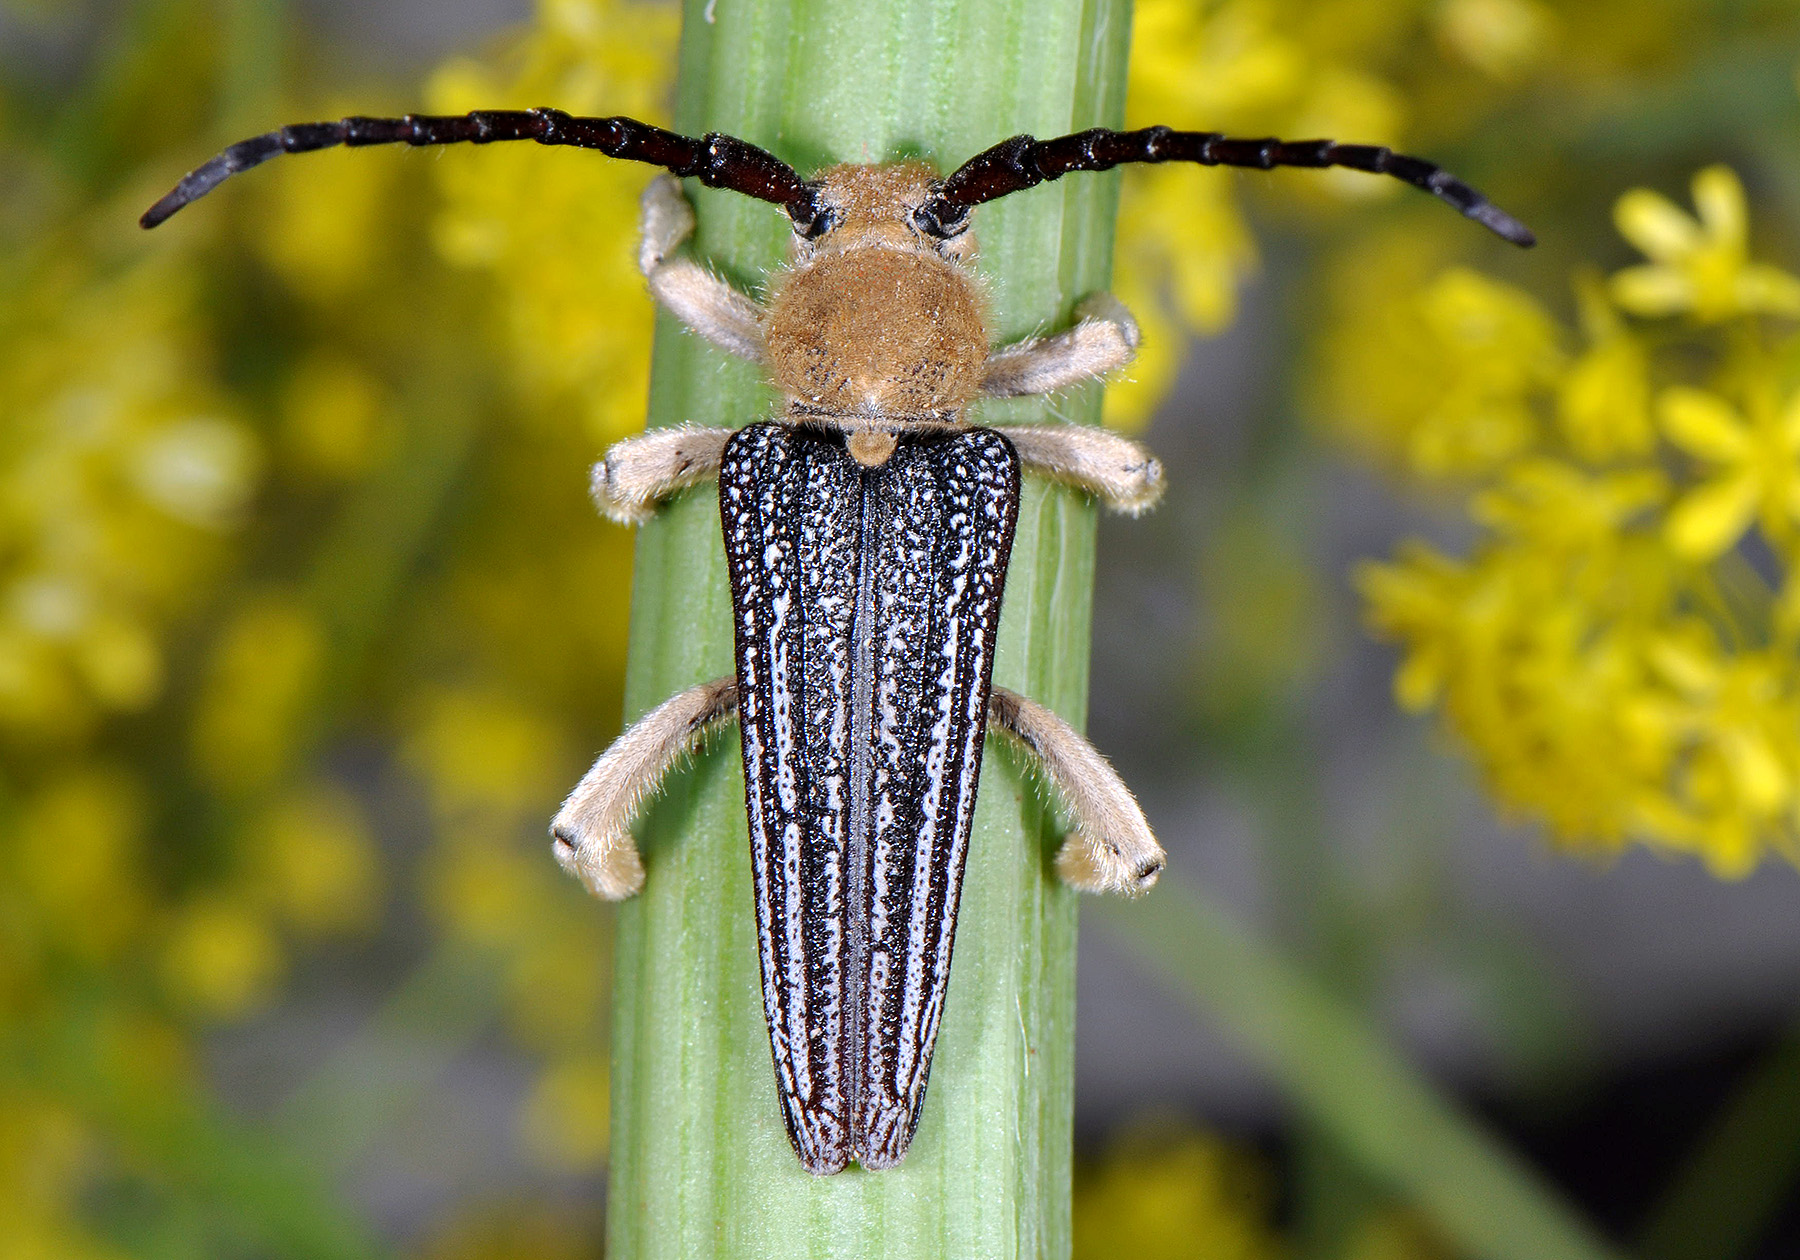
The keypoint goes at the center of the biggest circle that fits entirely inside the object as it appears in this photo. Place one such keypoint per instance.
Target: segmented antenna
(1024, 161)
(718, 161)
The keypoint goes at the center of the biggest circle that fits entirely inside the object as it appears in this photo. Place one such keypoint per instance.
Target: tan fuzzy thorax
(876, 322)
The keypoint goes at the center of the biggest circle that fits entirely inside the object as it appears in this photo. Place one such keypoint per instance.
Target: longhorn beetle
(867, 530)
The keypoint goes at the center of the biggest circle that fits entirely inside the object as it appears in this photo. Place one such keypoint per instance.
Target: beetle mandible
(867, 530)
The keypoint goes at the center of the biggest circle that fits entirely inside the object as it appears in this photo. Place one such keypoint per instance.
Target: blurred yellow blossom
(1172, 1198)
(119, 466)
(254, 702)
(554, 228)
(1699, 267)
(551, 1005)
(1755, 468)
(1247, 66)
(77, 856)
(1615, 666)
(1169, 286)
(198, 469)
(484, 893)
(566, 1121)
(315, 861)
(1464, 367)
(221, 957)
(1501, 37)
(320, 222)
(46, 1154)
(1603, 401)
(482, 752)
(336, 419)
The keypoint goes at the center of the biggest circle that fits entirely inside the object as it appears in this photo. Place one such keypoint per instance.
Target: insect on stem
(867, 528)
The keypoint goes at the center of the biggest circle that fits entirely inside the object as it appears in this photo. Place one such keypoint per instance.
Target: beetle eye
(824, 221)
(928, 219)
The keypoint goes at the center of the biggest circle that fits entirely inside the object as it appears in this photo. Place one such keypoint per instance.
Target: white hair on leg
(1112, 849)
(1119, 472)
(1104, 339)
(592, 832)
(698, 298)
(640, 473)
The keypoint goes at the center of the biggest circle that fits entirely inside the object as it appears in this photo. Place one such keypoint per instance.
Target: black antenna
(1023, 161)
(718, 161)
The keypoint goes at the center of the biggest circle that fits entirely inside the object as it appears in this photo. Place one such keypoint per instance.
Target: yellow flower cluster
(127, 473)
(550, 233)
(553, 227)
(1269, 67)
(1174, 1195)
(1617, 649)
(121, 470)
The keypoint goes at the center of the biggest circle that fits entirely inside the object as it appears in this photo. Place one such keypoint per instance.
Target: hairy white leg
(641, 472)
(1105, 339)
(698, 298)
(1112, 849)
(592, 832)
(1119, 472)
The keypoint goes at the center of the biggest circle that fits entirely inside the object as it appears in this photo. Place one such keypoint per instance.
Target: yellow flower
(336, 422)
(554, 230)
(255, 702)
(483, 754)
(1448, 382)
(315, 861)
(1178, 1196)
(1183, 251)
(1560, 508)
(1700, 267)
(1737, 718)
(1566, 650)
(1756, 463)
(1415, 602)
(78, 859)
(486, 894)
(1501, 37)
(566, 1120)
(1216, 62)
(1603, 402)
(222, 957)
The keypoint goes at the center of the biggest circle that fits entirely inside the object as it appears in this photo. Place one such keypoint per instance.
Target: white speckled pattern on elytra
(867, 601)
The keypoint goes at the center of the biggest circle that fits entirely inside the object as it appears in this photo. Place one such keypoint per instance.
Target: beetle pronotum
(867, 532)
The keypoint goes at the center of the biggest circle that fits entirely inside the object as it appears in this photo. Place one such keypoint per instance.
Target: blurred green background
(306, 624)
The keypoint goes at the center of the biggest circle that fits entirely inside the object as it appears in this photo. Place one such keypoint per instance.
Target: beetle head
(858, 206)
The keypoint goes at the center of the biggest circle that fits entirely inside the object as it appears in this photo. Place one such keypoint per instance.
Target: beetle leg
(697, 297)
(592, 831)
(1105, 338)
(1114, 469)
(641, 472)
(1112, 849)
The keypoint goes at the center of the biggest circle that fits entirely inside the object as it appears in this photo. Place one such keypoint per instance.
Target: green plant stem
(701, 1165)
